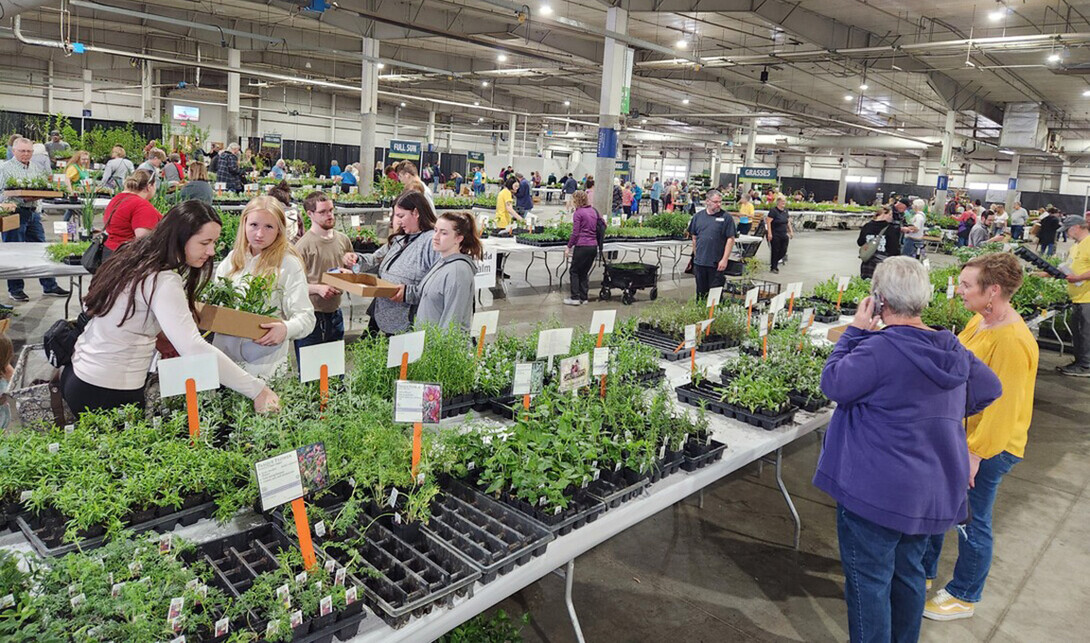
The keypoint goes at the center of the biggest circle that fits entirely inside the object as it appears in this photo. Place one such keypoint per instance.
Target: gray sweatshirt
(404, 261)
(444, 296)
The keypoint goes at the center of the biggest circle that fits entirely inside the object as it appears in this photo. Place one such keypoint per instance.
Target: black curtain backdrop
(25, 123)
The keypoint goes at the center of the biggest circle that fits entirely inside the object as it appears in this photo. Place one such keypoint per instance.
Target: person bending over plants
(142, 301)
(262, 251)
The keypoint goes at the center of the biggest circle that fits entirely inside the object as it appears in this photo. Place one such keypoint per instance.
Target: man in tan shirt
(323, 249)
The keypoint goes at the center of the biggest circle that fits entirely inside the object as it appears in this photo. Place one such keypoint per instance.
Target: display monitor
(187, 113)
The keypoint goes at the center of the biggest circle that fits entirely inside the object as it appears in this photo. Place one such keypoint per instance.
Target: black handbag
(97, 253)
(60, 340)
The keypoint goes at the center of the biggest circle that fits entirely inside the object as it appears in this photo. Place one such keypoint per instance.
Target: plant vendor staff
(895, 458)
(142, 300)
(745, 214)
(444, 297)
(323, 249)
(997, 436)
(779, 231)
(19, 168)
(406, 257)
(262, 249)
(1078, 288)
(505, 205)
(713, 235)
(582, 247)
(130, 214)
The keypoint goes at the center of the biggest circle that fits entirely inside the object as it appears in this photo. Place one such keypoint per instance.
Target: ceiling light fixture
(643, 122)
(864, 87)
(1086, 92)
(685, 101)
(402, 104)
(567, 103)
(1054, 57)
(546, 10)
(998, 14)
(484, 83)
(480, 119)
(502, 58)
(476, 103)
(381, 65)
(849, 97)
(682, 44)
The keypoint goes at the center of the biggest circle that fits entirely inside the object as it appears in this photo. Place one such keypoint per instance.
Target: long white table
(26, 260)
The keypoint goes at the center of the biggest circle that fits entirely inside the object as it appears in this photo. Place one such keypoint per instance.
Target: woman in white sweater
(262, 248)
(140, 301)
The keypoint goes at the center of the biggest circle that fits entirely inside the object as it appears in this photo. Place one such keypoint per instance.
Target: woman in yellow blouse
(997, 436)
(745, 214)
(78, 167)
(505, 205)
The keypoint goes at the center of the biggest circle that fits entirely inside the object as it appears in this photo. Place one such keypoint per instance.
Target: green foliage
(100, 141)
(29, 183)
(674, 224)
(58, 252)
(252, 295)
(672, 317)
(228, 233)
(498, 628)
(858, 288)
(485, 200)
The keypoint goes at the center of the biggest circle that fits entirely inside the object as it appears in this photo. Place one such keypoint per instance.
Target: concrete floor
(727, 572)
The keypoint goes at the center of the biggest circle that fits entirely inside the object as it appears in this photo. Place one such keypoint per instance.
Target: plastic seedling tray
(707, 344)
(415, 570)
(700, 452)
(807, 403)
(650, 378)
(708, 394)
(662, 343)
(614, 488)
(495, 537)
(765, 420)
(237, 560)
(45, 531)
(668, 465)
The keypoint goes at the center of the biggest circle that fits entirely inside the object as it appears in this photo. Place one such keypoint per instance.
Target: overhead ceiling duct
(1024, 128)
(10, 8)
(892, 143)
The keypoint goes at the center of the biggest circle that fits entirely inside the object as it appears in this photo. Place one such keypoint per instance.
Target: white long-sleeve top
(118, 357)
(291, 298)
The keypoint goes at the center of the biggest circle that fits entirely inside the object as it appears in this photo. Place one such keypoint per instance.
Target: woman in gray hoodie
(405, 259)
(444, 297)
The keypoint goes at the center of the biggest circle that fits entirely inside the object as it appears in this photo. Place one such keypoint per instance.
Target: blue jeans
(328, 327)
(883, 579)
(1048, 249)
(975, 540)
(1016, 231)
(30, 229)
(910, 247)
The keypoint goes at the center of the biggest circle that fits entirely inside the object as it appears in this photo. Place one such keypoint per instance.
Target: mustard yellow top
(1080, 263)
(1011, 352)
(503, 217)
(745, 210)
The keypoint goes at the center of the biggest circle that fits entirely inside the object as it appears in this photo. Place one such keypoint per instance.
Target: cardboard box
(33, 194)
(9, 223)
(5, 324)
(228, 321)
(836, 331)
(362, 285)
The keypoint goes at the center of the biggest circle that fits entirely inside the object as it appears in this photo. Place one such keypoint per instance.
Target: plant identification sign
(601, 361)
(488, 320)
(328, 354)
(574, 372)
(288, 476)
(529, 378)
(417, 402)
(553, 342)
(203, 369)
(411, 343)
(606, 318)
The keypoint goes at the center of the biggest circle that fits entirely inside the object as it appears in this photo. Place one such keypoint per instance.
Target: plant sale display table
(26, 260)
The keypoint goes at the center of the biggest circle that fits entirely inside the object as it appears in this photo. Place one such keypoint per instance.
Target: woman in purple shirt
(582, 247)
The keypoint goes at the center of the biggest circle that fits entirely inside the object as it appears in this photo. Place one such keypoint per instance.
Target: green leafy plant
(58, 252)
(252, 295)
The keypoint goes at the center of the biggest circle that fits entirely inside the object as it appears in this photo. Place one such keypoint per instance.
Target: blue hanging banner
(943, 182)
(1012, 183)
(607, 143)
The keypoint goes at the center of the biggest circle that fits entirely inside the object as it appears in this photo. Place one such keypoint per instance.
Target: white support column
(751, 150)
(512, 131)
(1012, 183)
(944, 162)
(333, 120)
(397, 121)
(429, 134)
(88, 87)
(450, 135)
(713, 168)
(234, 60)
(1065, 177)
(157, 92)
(614, 80)
(259, 119)
(807, 164)
(368, 113)
(49, 106)
(842, 186)
(921, 171)
(146, 76)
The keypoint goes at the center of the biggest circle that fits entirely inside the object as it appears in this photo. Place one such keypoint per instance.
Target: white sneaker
(572, 302)
(583, 302)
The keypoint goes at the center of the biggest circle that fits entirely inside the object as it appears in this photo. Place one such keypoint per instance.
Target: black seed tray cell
(616, 487)
(807, 403)
(700, 452)
(583, 508)
(668, 465)
(493, 536)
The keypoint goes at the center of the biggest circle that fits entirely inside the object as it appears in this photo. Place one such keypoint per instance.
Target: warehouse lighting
(682, 44)
(381, 65)
(864, 87)
(1054, 58)
(643, 122)
(484, 83)
(997, 15)
(476, 103)
(849, 97)
(502, 58)
(480, 119)
(685, 101)
(546, 10)
(1086, 92)
(567, 103)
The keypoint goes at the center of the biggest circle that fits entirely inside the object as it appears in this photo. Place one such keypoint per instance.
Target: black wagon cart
(628, 278)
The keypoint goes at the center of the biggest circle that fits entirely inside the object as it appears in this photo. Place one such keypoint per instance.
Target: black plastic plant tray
(707, 344)
(807, 403)
(708, 393)
(582, 509)
(668, 465)
(737, 289)
(460, 405)
(237, 560)
(700, 452)
(541, 244)
(616, 487)
(650, 378)
(664, 345)
(493, 536)
(46, 531)
(415, 570)
(1039, 262)
(764, 420)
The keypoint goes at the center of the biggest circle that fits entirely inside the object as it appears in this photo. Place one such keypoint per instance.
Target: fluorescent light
(1054, 57)
(567, 103)
(502, 58)
(402, 104)
(546, 10)
(476, 103)
(682, 44)
(997, 15)
(849, 97)
(484, 83)
(480, 119)
(685, 101)
(864, 87)
(381, 65)
(1086, 92)
(643, 122)
(1008, 152)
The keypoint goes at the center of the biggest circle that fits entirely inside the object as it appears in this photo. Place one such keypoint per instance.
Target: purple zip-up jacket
(584, 227)
(896, 452)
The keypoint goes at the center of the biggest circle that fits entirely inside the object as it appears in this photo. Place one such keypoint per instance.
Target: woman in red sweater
(130, 215)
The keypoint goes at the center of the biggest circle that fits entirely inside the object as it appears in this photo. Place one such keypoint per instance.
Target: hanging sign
(475, 159)
(404, 150)
(271, 141)
(757, 174)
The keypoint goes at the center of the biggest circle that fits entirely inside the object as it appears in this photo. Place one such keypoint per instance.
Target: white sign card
(411, 343)
(312, 358)
(794, 289)
(529, 378)
(807, 317)
(776, 304)
(615, 222)
(764, 322)
(221, 186)
(487, 319)
(251, 187)
(842, 283)
(950, 291)
(927, 265)
(354, 220)
(485, 276)
(203, 369)
(553, 342)
(58, 178)
(690, 336)
(417, 402)
(702, 326)
(60, 227)
(714, 296)
(751, 297)
(278, 480)
(601, 361)
(607, 318)
(574, 372)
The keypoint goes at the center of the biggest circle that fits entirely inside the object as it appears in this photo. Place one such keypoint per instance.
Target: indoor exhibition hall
(543, 321)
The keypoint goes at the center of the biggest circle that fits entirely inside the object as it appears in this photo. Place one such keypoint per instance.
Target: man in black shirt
(1047, 227)
(713, 233)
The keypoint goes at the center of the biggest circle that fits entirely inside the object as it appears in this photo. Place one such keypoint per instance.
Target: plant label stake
(405, 349)
(553, 342)
(483, 324)
(714, 296)
(841, 286)
(61, 228)
(795, 290)
(187, 375)
(320, 362)
(529, 379)
(751, 300)
(289, 477)
(807, 321)
(602, 322)
(766, 321)
(417, 402)
(601, 366)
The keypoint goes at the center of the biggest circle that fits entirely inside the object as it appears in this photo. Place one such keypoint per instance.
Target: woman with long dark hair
(406, 257)
(142, 300)
(445, 295)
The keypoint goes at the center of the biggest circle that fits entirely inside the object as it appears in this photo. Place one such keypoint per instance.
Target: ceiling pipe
(15, 7)
(848, 142)
(130, 13)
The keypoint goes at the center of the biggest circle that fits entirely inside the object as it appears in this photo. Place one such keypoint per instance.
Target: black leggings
(582, 261)
(81, 396)
(779, 249)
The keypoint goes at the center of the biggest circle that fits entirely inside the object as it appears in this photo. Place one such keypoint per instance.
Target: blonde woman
(262, 249)
(78, 168)
(117, 168)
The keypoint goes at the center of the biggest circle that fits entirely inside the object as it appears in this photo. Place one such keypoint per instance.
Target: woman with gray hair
(895, 457)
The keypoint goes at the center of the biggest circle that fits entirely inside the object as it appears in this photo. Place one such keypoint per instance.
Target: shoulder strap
(113, 211)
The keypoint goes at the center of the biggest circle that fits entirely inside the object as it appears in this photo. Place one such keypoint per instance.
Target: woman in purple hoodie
(582, 247)
(895, 457)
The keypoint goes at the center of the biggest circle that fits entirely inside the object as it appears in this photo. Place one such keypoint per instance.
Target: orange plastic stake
(480, 342)
(680, 346)
(692, 360)
(526, 401)
(191, 408)
(404, 366)
(64, 237)
(791, 304)
(764, 347)
(711, 315)
(418, 429)
(839, 294)
(749, 316)
(302, 527)
(323, 386)
(601, 334)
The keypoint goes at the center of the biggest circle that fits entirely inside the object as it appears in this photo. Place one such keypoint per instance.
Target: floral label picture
(418, 402)
(529, 378)
(574, 372)
(326, 605)
(283, 594)
(176, 605)
(222, 627)
(313, 469)
(296, 619)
